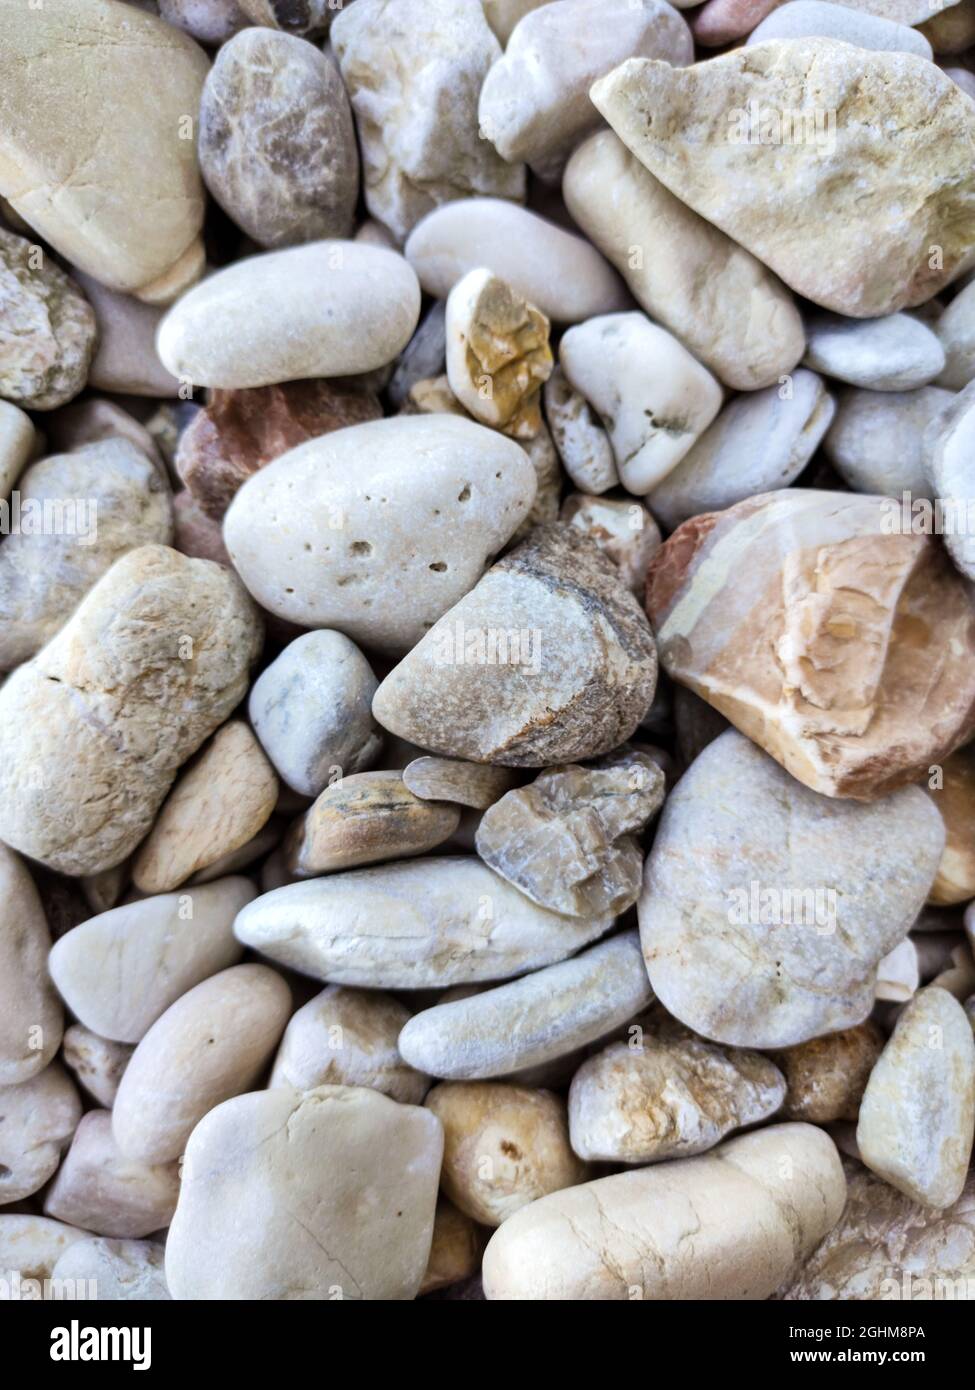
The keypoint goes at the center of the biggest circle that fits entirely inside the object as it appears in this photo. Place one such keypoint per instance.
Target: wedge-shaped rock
(880, 144)
(546, 660)
(415, 925)
(820, 625)
(766, 908)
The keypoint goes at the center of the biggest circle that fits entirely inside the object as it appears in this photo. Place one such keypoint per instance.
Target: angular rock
(896, 353)
(804, 19)
(97, 1063)
(717, 139)
(917, 1116)
(826, 1077)
(277, 143)
(37, 1119)
(449, 779)
(121, 1270)
(857, 676)
(317, 1195)
(546, 660)
(423, 924)
(94, 728)
(526, 1022)
(425, 499)
(948, 464)
(875, 442)
(724, 305)
(766, 907)
(624, 531)
(954, 795)
(101, 1190)
(48, 335)
(580, 438)
(31, 1019)
(417, 116)
(567, 840)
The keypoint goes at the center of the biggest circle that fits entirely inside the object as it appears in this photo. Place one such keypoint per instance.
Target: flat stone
(896, 353)
(858, 677)
(876, 440)
(563, 274)
(731, 1224)
(331, 308)
(416, 925)
(568, 839)
(427, 499)
(826, 1076)
(37, 1119)
(862, 255)
(451, 779)
(121, 705)
(416, 115)
(121, 1270)
(277, 143)
(104, 1192)
(335, 1188)
(956, 333)
(624, 531)
(947, 448)
(766, 907)
(653, 397)
(528, 670)
(96, 1063)
(953, 792)
(120, 970)
(532, 1020)
(761, 441)
(31, 1019)
(582, 442)
(126, 361)
(504, 1146)
(347, 1037)
(804, 19)
(671, 1097)
(723, 304)
(49, 328)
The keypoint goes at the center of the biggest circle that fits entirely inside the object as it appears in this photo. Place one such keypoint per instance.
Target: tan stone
(834, 638)
(97, 1063)
(950, 29)
(897, 973)
(863, 254)
(48, 329)
(37, 1119)
(504, 1146)
(31, 1019)
(455, 1251)
(826, 1076)
(451, 779)
(100, 1189)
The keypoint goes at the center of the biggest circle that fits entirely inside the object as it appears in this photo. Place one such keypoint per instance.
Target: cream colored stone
(184, 273)
(93, 418)
(864, 253)
(563, 274)
(653, 397)
(316, 543)
(803, 19)
(420, 924)
(451, 779)
(119, 971)
(30, 1246)
(897, 973)
(266, 839)
(894, 353)
(214, 1042)
(624, 531)
(581, 440)
(875, 442)
(126, 209)
(37, 1119)
(318, 1195)
(120, 1270)
(526, 1022)
(121, 701)
(97, 1063)
(17, 444)
(503, 15)
(455, 1251)
(100, 1189)
(731, 312)
(125, 360)
(31, 1019)
(347, 1037)
(767, 908)
(732, 1224)
(504, 1146)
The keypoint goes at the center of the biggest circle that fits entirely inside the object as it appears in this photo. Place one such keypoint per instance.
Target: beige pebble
(97, 1063)
(455, 1250)
(37, 1119)
(92, 419)
(897, 973)
(118, 1270)
(826, 1076)
(31, 1019)
(100, 1189)
(477, 785)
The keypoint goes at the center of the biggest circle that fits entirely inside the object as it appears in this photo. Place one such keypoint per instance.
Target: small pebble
(624, 531)
(876, 440)
(582, 442)
(97, 1063)
(37, 1120)
(49, 329)
(896, 353)
(826, 1076)
(451, 779)
(121, 1270)
(102, 1191)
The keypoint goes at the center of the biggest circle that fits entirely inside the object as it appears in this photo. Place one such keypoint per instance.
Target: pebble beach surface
(487, 649)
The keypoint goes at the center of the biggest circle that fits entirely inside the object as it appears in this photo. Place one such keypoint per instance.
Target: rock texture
(96, 1063)
(826, 1077)
(450, 779)
(948, 450)
(876, 440)
(47, 327)
(954, 795)
(305, 17)
(624, 531)
(896, 353)
(31, 1019)
(102, 1191)
(37, 1119)
(803, 19)
(582, 442)
(121, 1270)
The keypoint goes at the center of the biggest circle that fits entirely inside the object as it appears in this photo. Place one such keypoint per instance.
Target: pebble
(277, 143)
(947, 447)
(559, 272)
(96, 1063)
(668, 1098)
(132, 215)
(102, 1191)
(30, 1246)
(504, 1146)
(803, 19)
(17, 445)
(568, 839)
(624, 531)
(455, 1250)
(119, 971)
(917, 1116)
(582, 442)
(720, 21)
(125, 360)
(731, 1224)
(954, 795)
(48, 333)
(715, 297)
(831, 689)
(331, 308)
(498, 356)
(323, 1194)
(101, 501)
(417, 118)
(522, 647)
(653, 397)
(956, 333)
(121, 1270)
(761, 441)
(425, 498)
(896, 353)
(876, 440)
(863, 254)
(534, 104)
(766, 907)
(347, 1037)
(214, 1042)
(121, 706)
(826, 1076)
(31, 1019)
(451, 779)
(37, 1119)
(424, 356)
(526, 1022)
(897, 973)
(414, 925)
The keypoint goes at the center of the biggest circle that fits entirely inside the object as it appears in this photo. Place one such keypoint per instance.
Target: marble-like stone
(876, 440)
(895, 353)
